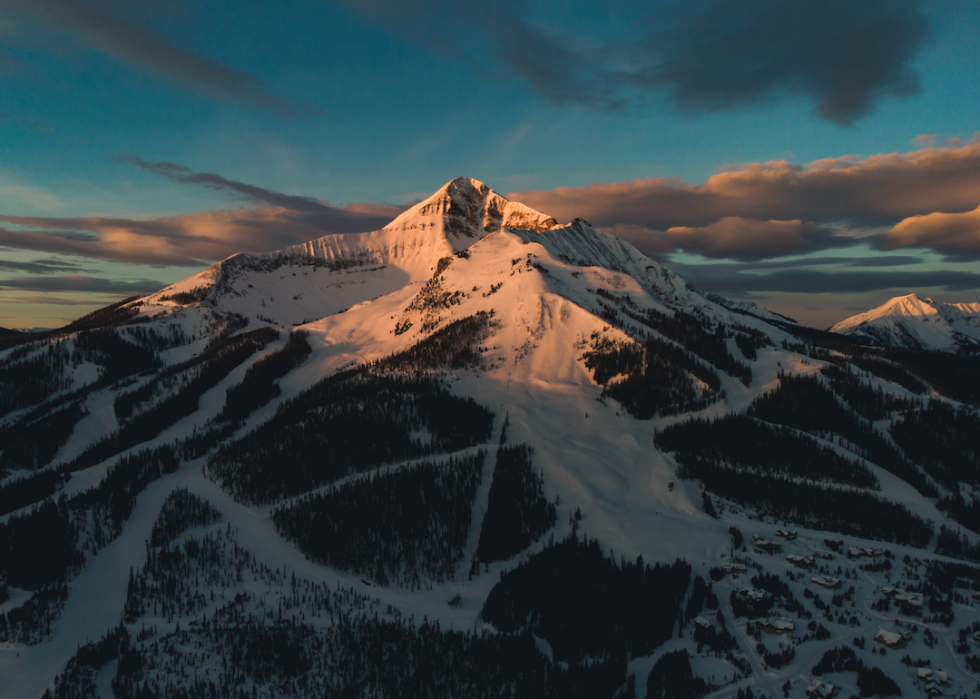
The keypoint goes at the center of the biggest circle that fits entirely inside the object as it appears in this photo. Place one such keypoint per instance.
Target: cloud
(859, 192)
(739, 280)
(38, 266)
(27, 124)
(315, 213)
(47, 300)
(705, 55)
(926, 140)
(745, 239)
(843, 55)
(189, 240)
(272, 222)
(957, 236)
(92, 285)
(96, 26)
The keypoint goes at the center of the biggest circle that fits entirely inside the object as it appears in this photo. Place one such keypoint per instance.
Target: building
(733, 568)
(775, 625)
(788, 534)
(766, 546)
(750, 594)
(702, 622)
(893, 640)
(827, 581)
(858, 552)
(819, 689)
(805, 562)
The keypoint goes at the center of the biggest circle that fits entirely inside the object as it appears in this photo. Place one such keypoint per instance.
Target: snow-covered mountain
(477, 452)
(911, 322)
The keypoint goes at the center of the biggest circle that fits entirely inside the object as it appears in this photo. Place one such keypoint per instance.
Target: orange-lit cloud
(957, 236)
(876, 190)
(748, 239)
(188, 240)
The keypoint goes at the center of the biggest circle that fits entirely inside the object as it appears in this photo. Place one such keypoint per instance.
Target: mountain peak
(917, 323)
(468, 210)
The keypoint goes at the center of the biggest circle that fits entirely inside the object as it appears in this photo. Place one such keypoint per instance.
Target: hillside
(478, 453)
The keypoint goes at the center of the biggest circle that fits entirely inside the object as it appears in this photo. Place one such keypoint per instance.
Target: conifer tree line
(943, 440)
(212, 366)
(347, 423)
(450, 347)
(673, 678)
(259, 386)
(181, 511)
(518, 514)
(742, 443)
(43, 548)
(33, 445)
(632, 607)
(306, 639)
(805, 403)
(405, 527)
(658, 377)
(810, 505)
(870, 403)
(690, 332)
(216, 361)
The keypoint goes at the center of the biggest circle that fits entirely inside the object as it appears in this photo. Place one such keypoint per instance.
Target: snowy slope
(551, 298)
(915, 323)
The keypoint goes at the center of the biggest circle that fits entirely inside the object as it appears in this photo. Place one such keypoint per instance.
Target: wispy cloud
(99, 27)
(27, 124)
(740, 280)
(38, 266)
(338, 220)
(81, 284)
(273, 221)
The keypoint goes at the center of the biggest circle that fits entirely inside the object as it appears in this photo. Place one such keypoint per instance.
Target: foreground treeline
(43, 548)
(301, 638)
(305, 639)
(405, 527)
(631, 607)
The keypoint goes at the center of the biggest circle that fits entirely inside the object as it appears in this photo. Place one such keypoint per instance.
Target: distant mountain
(477, 452)
(9, 332)
(911, 322)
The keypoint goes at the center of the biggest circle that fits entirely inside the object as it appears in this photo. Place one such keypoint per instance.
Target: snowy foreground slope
(480, 453)
(911, 322)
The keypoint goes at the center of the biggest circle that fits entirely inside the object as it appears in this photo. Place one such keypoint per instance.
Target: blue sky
(128, 131)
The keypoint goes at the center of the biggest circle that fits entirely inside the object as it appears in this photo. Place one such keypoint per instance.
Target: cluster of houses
(933, 680)
(859, 552)
(910, 601)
